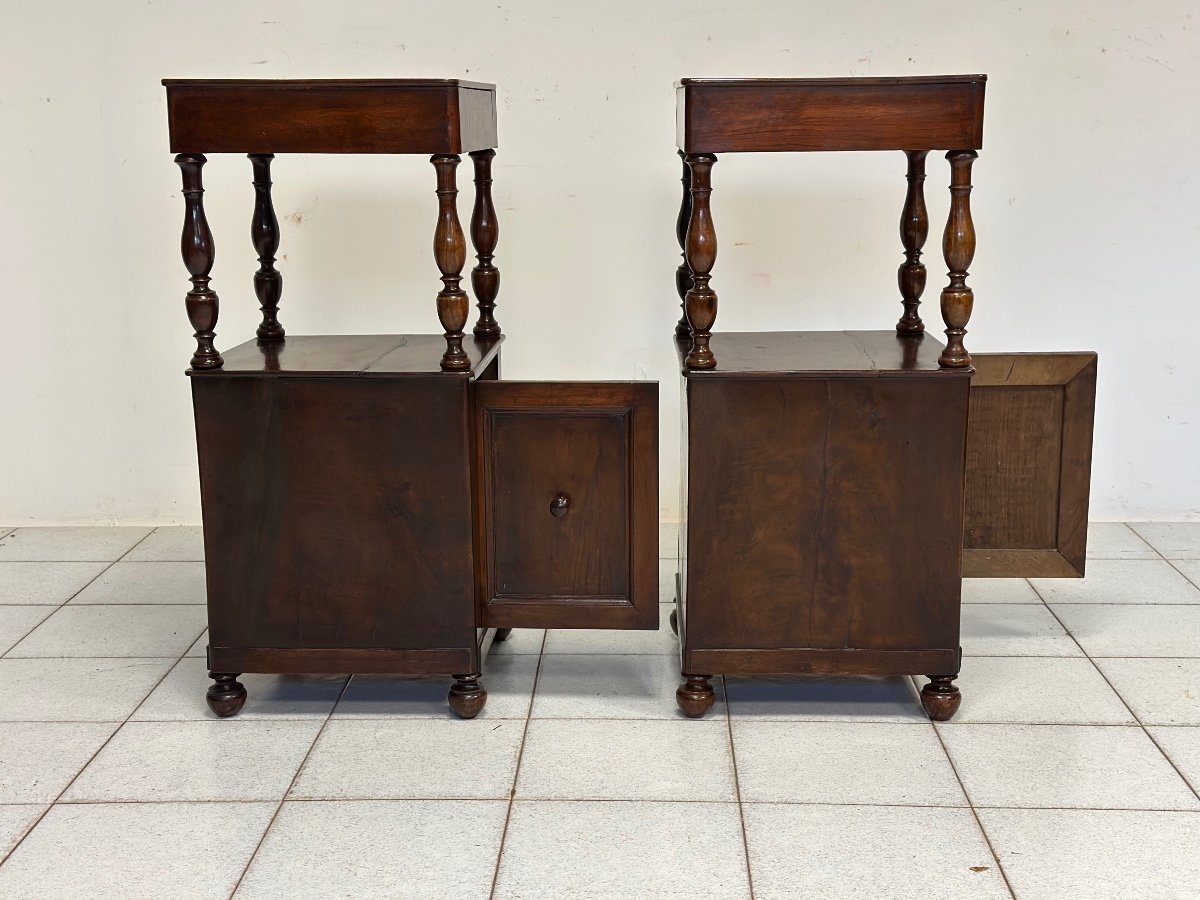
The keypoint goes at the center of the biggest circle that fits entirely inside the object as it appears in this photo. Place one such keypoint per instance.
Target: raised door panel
(1028, 467)
(568, 529)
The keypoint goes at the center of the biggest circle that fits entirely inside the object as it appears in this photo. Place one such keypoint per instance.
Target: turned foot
(467, 696)
(226, 696)
(695, 696)
(940, 698)
(675, 621)
(501, 635)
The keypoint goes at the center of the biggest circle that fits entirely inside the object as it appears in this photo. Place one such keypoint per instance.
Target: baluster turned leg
(264, 235)
(958, 247)
(198, 254)
(700, 251)
(914, 228)
(450, 253)
(485, 232)
(683, 275)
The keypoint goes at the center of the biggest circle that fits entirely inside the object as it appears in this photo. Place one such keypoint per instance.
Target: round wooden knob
(560, 505)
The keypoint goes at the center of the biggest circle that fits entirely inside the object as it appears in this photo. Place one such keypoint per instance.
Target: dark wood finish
(366, 355)
(450, 253)
(502, 634)
(958, 247)
(335, 116)
(467, 695)
(804, 551)
(198, 252)
(485, 232)
(695, 696)
(700, 251)
(940, 698)
(336, 660)
(683, 274)
(805, 114)
(1028, 464)
(264, 234)
(226, 696)
(914, 229)
(569, 503)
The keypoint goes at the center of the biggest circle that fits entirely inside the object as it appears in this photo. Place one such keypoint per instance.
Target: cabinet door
(1029, 465)
(568, 528)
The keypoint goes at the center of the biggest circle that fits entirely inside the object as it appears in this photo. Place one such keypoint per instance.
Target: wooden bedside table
(826, 472)
(385, 503)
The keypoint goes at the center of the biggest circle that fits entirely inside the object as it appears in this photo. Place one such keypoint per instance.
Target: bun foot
(940, 698)
(695, 696)
(467, 696)
(226, 696)
(501, 635)
(675, 622)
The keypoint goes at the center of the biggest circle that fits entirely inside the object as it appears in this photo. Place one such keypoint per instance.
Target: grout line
(1111, 687)
(974, 813)
(288, 790)
(517, 770)
(737, 786)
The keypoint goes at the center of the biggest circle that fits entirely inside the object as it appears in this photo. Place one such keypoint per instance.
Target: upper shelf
(400, 115)
(943, 112)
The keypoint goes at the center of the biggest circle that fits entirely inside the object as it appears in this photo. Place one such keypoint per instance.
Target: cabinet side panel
(337, 512)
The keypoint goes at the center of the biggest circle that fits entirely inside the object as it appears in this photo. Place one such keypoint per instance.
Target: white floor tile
(824, 762)
(1120, 581)
(1069, 854)
(1064, 766)
(73, 544)
(44, 583)
(1189, 568)
(178, 542)
(1134, 630)
(1159, 691)
(114, 631)
(571, 759)
(667, 570)
(571, 849)
(200, 648)
(76, 690)
(357, 759)
(1174, 540)
(1037, 690)
(147, 582)
(994, 629)
(824, 698)
(6, 530)
(18, 621)
(612, 640)
(416, 848)
(998, 590)
(39, 759)
(508, 681)
(15, 822)
(879, 852)
(1116, 540)
(1182, 746)
(520, 642)
(134, 850)
(156, 761)
(579, 686)
(180, 697)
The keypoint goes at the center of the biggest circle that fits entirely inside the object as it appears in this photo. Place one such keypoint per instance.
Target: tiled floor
(1072, 769)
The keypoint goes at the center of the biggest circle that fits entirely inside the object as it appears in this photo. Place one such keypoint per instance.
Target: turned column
(198, 253)
(683, 275)
(485, 232)
(450, 253)
(914, 229)
(264, 234)
(700, 251)
(958, 247)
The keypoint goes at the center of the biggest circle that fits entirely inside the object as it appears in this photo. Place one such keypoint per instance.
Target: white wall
(1087, 206)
